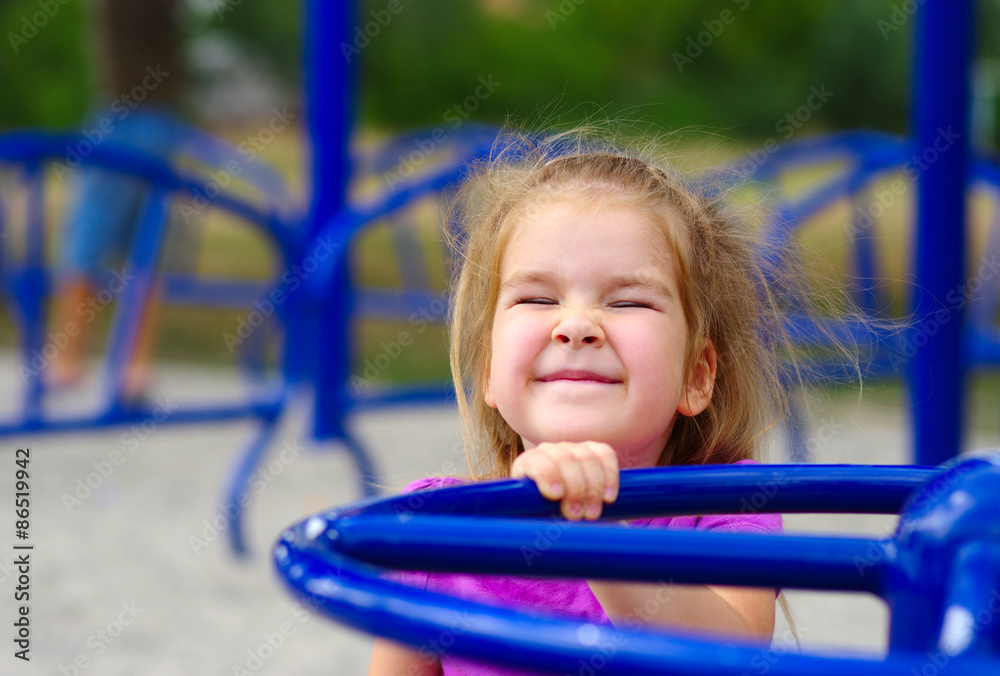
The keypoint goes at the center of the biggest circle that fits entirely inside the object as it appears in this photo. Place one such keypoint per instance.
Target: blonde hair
(723, 272)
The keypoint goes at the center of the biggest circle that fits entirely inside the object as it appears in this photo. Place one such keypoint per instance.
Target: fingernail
(576, 509)
(556, 487)
(609, 493)
(593, 511)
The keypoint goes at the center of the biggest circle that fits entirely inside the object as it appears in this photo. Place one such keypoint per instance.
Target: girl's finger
(543, 470)
(595, 481)
(609, 460)
(574, 500)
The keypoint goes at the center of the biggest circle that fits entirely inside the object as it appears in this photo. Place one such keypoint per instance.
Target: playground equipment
(939, 108)
(29, 282)
(938, 573)
(312, 327)
(325, 304)
(314, 324)
(886, 349)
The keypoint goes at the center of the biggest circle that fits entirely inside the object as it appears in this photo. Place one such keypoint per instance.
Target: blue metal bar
(319, 353)
(701, 489)
(867, 295)
(201, 291)
(363, 462)
(972, 602)
(333, 400)
(162, 415)
(399, 304)
(28, 147)
(135, 297)
(238, 495)
(497, 546)
(324, 561)
(940, 126)
(330, 94)
(404, 395)
(350, 592)
(31, 291)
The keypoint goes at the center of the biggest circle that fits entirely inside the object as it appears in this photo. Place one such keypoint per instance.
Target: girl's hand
(582, 475)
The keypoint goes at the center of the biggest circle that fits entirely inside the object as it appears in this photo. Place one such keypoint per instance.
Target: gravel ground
(132, 578)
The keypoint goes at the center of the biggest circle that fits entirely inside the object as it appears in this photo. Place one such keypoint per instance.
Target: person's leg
(139, 370)
(97, 232)
(66, 368)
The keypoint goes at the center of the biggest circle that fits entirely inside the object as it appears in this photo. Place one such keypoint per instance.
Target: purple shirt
(570, 598)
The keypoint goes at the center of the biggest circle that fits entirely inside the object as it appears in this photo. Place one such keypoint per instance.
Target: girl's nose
(578, 328)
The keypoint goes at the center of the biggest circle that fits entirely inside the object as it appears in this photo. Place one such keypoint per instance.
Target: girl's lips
(569, 374)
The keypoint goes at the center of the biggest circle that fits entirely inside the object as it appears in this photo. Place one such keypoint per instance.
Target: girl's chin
(577, 436)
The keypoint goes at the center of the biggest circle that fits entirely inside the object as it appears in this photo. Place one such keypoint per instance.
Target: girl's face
(589, 336)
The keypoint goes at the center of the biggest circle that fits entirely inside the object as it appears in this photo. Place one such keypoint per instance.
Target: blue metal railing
(942, 561)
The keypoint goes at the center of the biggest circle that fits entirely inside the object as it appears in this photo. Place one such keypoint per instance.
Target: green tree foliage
(43, 67)
(736, 67)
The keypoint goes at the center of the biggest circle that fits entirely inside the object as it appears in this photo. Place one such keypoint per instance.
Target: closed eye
(535, 301)
(630, 303)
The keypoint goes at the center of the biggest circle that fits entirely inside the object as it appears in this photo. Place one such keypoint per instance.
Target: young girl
(606, 317)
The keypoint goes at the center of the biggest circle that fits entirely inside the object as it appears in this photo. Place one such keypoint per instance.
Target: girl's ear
(697, 393)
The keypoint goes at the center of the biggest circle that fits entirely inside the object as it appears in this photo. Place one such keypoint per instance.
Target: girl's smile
(589, 337)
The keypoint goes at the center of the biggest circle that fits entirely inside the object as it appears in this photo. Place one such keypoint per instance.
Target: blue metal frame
(940, 104)
(941, 563)
(318, 349)
(320, 313)
(866, 162)
(30, 282)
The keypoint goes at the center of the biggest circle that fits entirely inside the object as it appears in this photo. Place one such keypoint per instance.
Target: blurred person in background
(140, 84)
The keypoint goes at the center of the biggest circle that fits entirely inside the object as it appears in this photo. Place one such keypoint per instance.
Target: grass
(216, 245)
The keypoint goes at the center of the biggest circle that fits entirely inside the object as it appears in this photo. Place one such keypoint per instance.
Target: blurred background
(718, 78)
(656, 65)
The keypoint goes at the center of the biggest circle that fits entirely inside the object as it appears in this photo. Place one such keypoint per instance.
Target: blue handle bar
(333, 561)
